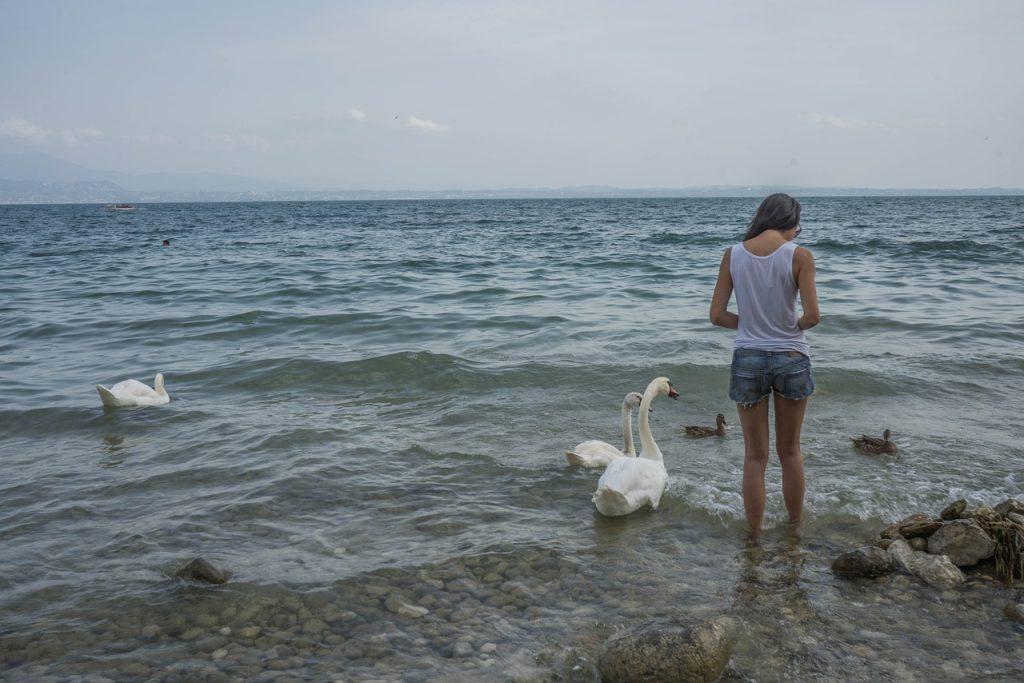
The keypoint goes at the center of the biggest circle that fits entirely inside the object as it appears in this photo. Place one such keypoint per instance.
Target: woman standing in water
(771, 355)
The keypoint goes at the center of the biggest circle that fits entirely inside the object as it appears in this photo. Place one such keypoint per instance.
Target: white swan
(132, 392)
(632, 483)
(596, 453)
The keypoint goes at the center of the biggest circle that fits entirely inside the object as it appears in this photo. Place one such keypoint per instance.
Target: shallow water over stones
(527, 613)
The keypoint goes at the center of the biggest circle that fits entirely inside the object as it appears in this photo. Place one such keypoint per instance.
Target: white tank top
(766, 300)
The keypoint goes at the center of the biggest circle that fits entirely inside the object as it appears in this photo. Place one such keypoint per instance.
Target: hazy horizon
(442, 96)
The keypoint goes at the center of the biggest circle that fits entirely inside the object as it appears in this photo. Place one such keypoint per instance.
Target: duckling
(701, 432)
(872, 445)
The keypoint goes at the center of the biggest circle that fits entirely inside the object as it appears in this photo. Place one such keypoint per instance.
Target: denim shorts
(756, 373)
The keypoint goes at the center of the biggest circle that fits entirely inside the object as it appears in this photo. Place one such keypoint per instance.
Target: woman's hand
(720, 299)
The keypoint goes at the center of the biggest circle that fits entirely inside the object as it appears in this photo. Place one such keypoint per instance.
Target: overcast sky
(438, 95)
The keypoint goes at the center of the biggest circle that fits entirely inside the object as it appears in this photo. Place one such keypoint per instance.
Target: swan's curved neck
(648, 448)
(627, 430)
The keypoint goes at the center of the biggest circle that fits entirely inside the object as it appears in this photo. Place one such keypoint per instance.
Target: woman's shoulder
(802, 253)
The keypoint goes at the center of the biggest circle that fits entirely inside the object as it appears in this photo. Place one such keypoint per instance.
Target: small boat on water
(120, 207)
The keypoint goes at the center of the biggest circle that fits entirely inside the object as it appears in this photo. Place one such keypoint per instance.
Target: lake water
(370, 401)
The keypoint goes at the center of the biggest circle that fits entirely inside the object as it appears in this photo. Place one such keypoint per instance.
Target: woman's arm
(803, 264)
(720, 299)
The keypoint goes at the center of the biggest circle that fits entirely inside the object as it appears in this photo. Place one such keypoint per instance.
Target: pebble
(462, 649)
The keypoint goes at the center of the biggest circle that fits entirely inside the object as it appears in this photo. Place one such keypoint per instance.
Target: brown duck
(700, 432)
(872, 445)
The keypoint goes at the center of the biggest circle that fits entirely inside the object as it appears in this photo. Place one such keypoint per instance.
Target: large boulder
(200, 570)
(935, 570)
(953, 510)
(963, 541)
(1010, 505)
(867, 561)
(657, 652)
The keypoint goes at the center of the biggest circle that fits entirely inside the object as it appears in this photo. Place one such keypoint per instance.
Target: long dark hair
(777, 212)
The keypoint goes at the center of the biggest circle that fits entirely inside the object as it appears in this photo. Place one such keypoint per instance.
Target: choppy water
(373, 398)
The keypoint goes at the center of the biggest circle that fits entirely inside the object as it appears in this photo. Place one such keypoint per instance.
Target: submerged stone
(658, 652)
(935, 570)
(963, 541)
(1014, 611)
(199, 569)
(396, 605)
(867, 561)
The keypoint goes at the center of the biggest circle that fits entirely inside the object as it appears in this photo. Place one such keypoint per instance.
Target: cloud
(423, 125)
(357, 115)
(23, 129)
(838, 122)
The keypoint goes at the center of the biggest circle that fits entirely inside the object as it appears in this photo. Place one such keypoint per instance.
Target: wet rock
(963, 541)
(1014, 611)
(1014, 517)
(935, 570)
(866, 561)
(892, 531)
(199, 569)
(664, 652)
(953, 510)
(462, 649)
(918, 543)
(1010, 505)
(918, 525)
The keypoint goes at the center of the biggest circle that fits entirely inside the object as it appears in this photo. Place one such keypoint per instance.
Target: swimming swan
(631, 483)
(596, 453)
(132, 392)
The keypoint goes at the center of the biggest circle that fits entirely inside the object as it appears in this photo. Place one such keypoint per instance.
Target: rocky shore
(938, 550)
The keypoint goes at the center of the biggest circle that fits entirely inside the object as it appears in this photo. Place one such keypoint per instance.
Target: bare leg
(789, 418)
(754, 420)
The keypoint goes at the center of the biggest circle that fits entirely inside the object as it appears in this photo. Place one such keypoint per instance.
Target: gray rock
(1014, 611)
(935, 570)
(866, 561)
(662, 652)
(462, 649)
(963, 541)
(199, 569)
(1015, 517)
(953, 510)
(1010, 505)
(918, 543)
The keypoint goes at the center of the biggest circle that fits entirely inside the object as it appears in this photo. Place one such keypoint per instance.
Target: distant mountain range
(37, 178)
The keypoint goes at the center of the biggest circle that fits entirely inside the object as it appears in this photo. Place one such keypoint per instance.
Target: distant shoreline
(525, 195)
